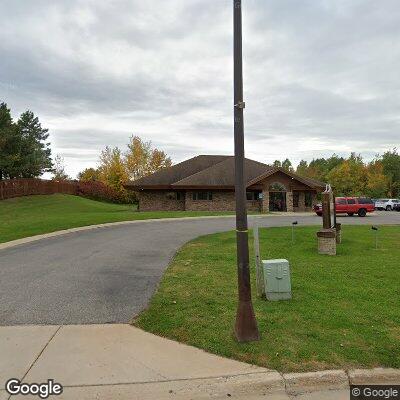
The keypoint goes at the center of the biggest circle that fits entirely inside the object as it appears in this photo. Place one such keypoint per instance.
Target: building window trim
(202, 196)
(252, 196)
(177, 196)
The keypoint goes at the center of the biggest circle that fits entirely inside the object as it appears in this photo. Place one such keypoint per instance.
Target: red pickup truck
(350, 206)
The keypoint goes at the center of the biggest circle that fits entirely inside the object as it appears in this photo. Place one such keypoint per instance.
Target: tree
(138, 157)
(391, 168)
(319, 168)
(350, 177)
(35, 153)
(158, 160)
(10, 144)
(112, 169)
(142, 159)
(302, 168)
(287, 165)
(59, 173)
(116, 168)
(277, 164)
(377, 181)
(89, 175)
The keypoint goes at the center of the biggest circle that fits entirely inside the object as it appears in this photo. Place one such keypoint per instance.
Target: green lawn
(33, 215)
(345, 310)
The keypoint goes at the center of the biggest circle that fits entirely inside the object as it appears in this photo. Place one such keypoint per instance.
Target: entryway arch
(277, 196)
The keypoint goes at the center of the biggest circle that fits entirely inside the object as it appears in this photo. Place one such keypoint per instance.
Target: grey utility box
(277, 279)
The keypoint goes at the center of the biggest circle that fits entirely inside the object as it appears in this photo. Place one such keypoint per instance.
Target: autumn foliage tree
(350, 177)
(353, 176)
(391, 168)
(117, 167)
(377, 181)
(89, 175)
(142, 159)
(112, 169)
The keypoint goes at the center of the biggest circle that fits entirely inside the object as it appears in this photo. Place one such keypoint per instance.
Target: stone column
(302, 201)
(289, 201)
(188, 200)
(265, 201)
(327, 241)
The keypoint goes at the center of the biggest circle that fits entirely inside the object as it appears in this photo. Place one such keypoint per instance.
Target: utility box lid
(277, 279)
(276, 261)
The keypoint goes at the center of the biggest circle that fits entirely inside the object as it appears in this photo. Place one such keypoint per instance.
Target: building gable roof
(211, 171)
(170, 175)
(223, 174)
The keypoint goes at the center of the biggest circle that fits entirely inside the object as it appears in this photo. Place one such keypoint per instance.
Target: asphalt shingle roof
(209, 171)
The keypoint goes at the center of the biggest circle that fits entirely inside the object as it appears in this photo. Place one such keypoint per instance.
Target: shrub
(99, 191)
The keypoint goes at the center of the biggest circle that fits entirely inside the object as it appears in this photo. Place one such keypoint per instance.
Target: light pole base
(246, 329)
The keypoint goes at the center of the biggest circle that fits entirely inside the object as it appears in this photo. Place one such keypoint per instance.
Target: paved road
(107, 275)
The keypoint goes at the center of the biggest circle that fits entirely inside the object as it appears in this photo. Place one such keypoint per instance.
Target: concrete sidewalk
(123, 362)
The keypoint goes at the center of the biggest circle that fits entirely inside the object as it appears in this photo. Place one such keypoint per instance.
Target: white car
(386, 204)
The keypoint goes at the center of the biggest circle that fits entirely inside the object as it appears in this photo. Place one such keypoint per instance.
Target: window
(202, 195)
(175, 195)
(277, 187)
(351, 201)
(341, 201)
(170, 195)
(180, 196)
(364, 200)
(308, 199)
(296, 196)
(252, 195)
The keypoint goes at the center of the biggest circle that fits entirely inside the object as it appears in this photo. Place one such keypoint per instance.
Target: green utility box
(277, 279)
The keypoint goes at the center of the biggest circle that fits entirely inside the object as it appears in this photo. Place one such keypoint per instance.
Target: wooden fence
(26, 187)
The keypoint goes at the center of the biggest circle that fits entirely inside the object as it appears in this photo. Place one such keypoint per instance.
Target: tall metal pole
(246, 325)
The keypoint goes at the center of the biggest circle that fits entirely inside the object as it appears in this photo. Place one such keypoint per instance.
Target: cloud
(320, 76)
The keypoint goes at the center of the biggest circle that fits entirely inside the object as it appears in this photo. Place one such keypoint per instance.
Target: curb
(237, 386)
(29, 239)
(270, 383)
(376, 376)
(298, 383)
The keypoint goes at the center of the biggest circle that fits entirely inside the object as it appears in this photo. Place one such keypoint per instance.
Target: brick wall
(265, 201)
(327, 246)
(157, 201)
(221, 201)
(327, 241)
(289, 201)
(254, 205)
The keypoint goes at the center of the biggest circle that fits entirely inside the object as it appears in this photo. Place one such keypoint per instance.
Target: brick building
(206, 182)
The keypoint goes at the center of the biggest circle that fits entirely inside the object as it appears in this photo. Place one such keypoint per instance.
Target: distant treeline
(25, 153)
(353, 176)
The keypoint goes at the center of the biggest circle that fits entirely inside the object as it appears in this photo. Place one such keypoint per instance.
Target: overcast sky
(320, 76)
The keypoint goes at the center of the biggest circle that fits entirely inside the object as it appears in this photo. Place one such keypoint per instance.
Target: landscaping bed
(345, 310)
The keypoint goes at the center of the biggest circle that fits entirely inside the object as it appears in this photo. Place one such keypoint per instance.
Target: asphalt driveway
(108, 275)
